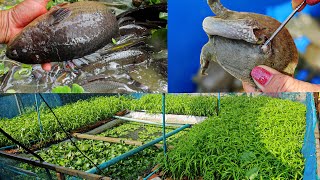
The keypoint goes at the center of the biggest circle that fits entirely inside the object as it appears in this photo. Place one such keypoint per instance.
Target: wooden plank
(108, 125)
(53, 167)
(113, 140)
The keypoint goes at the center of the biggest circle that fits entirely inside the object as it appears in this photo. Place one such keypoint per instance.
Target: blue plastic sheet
(309, 146)
(24, 101)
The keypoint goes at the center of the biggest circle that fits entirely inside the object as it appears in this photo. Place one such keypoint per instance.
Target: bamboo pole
(113, 140)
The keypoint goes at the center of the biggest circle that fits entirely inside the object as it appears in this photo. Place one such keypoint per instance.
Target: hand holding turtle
(12, 21)
(270, 80)
(295, 3)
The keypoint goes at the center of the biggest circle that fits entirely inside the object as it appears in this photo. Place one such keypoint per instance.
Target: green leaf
(50, 5)
(11, 91)
(114, 41)
(26, 66)
(247, 156)
(154, 1)
(77, 88)
(3, 69)
(8, 7)
(252, 173)
(23, 73)
(61, 89)
(163, 15)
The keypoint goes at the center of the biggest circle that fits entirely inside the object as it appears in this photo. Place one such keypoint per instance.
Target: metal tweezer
(283, 24)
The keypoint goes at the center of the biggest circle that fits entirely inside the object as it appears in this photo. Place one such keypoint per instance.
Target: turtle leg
(217, 8)
(241, 29)
(205, 58)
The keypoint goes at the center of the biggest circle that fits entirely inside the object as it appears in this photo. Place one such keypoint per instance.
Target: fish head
(25, 49)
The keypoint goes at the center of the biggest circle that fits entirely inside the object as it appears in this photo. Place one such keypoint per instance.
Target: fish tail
(217, 8)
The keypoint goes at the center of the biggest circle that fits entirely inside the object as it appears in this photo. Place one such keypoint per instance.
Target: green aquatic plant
(3, 69)
(66, 155)
(23, 73)
(25, 128)
(252, 138)
(141, 132)
(187, 104)
(75, 88)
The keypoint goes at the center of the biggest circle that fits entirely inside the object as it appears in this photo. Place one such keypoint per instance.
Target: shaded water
(137, 62)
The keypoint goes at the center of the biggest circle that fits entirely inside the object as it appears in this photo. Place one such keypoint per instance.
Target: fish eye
(12, 53)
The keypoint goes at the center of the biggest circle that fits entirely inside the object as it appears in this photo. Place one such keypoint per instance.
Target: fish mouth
(12, 54)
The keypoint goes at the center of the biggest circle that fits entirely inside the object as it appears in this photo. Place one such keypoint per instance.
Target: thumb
(270, 80)
(296, 3)
(26, 11)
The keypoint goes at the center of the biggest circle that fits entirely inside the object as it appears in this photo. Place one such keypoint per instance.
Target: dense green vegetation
(142, 132)
(100, 151)
(26, 128)
(252, 138)
(177, 104)
(65, 154)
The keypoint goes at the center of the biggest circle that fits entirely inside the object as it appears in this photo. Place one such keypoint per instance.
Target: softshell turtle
(66, 32)
(235, 41)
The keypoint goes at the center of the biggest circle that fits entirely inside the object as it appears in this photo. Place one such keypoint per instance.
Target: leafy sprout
(3, 69)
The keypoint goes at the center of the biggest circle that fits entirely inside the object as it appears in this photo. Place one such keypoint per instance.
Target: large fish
(64, 33)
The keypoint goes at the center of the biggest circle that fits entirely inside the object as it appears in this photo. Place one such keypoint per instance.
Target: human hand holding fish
(14, 20)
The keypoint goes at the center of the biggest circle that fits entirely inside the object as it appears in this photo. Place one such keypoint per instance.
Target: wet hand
(14, 20)
(296, 3)
(270, 80)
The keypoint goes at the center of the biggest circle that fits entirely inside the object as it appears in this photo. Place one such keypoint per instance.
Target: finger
(27, 11)
(313, 2)
(248, 88)
(270, 80)
(46, 67)
(296, 3)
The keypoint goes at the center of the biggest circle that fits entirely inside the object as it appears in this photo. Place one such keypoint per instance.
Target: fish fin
(63, 4)
(59, 15)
